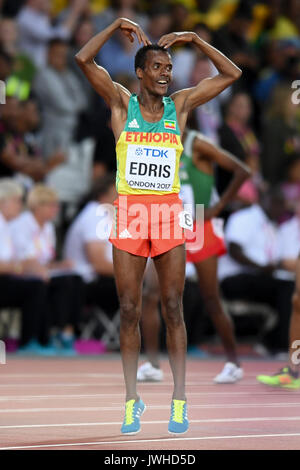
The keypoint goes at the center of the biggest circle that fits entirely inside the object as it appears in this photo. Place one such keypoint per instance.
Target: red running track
(56, 404)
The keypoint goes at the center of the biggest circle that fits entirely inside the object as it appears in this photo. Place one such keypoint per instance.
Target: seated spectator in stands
(20, 79)
(250, 270)
(61, 98)
(280, 133)
(34, 21)
(19, 152)
(237, 136)
(88, 247)
(291, 182)
(289, 237)
(34, 240)
(19, 287)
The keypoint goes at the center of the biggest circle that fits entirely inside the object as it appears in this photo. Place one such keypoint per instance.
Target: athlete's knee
(129, 311)
(172, 306)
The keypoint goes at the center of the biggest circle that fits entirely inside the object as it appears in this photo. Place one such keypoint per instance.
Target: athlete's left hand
(168, 40)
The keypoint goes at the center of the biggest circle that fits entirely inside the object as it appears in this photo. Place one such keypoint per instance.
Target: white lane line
(141, 441)
(276, 392)
(213, 420)
(110, 375)
(118, 384)
(153, 407)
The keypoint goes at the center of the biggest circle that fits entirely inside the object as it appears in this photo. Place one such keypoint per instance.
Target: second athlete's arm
(203, 148)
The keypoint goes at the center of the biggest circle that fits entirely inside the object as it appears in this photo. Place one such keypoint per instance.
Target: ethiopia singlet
(148, 153)
(197, 187)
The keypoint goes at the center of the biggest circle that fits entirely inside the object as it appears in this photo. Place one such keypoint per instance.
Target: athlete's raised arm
(203, 148)
(113, 93)
(208, 88)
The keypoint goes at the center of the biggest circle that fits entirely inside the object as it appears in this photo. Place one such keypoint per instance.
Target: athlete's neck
(151, 103)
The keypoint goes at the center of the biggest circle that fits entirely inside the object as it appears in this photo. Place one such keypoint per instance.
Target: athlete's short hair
(141, 55)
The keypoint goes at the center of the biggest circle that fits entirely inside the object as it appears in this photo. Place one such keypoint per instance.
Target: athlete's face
(157, 73)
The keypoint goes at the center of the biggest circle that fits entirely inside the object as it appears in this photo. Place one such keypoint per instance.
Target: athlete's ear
(139, 73)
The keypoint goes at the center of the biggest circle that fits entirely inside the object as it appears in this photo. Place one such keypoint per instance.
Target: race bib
(151, 168)
(185, 220)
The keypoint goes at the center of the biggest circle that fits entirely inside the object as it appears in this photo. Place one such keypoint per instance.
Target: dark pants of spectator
(28, 295)
(265, 289)
(65, 301)
(103, 293)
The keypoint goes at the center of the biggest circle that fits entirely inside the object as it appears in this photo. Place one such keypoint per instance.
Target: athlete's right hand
(129, 28)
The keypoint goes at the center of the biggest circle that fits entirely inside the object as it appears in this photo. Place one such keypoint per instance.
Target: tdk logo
(139, 151)
(152, 152)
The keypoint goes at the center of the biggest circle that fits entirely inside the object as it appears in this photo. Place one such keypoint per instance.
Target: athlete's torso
(148, 153)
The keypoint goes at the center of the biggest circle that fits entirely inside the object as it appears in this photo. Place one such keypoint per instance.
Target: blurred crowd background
(56, 144)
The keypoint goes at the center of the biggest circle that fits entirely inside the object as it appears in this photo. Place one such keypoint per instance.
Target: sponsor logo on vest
(134, 124)
(148, 137)
(170, 125)
(151, 152)
(125, 234)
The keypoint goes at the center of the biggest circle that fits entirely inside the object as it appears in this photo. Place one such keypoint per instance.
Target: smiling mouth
(163, 82)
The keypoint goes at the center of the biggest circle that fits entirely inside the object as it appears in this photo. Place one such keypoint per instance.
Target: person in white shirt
(288, 376)
(250, 270)
(87, 245)
(18, 286)
(33, 235)
(35, 28)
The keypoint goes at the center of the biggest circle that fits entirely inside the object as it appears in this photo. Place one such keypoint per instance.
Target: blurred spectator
(119, 46)
(282, 66)
(22, 73)
(249, 270)
(179, 16)
(291, 183)
(120, 8)
(19, 153)
(88, 247)
(34, 240)
(159, 23)
(280, 133)
(6, 65)
(232, 39)
(208, 116)
(184, 58)
(237, 136)
(36, 30)
(19, 288)
(61, 97)
(289, 234)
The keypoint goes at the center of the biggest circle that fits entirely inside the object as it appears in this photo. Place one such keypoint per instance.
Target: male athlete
(148, 130)
(288, 376)
(198, 187)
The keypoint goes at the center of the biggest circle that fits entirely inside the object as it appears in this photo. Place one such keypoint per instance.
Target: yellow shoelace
(178, 410)
(129, 412)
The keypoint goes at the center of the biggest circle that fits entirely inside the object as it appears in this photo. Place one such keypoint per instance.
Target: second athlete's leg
(209, 288)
